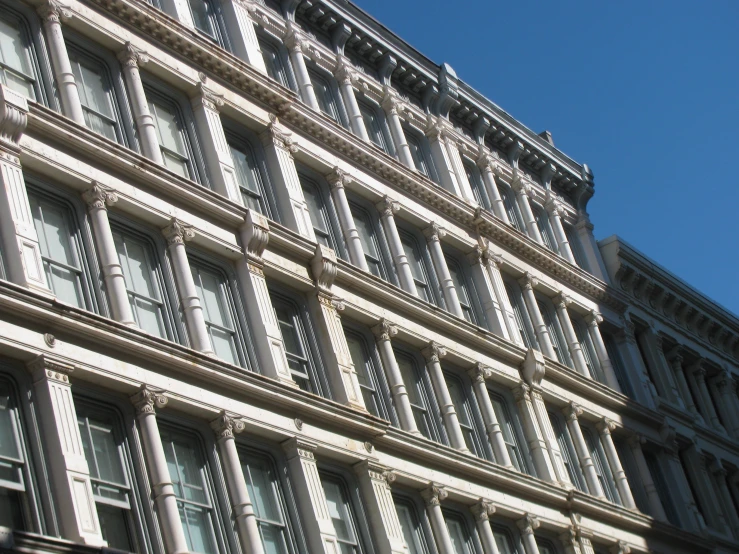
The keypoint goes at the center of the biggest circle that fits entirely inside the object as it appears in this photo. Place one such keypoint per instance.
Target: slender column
(572, 412)
(433, 354)
(278, 152)
(240, 28)
(478, 374)
(482, 512)
(20, 246)
(556, 211)
(177, 233)
(391, 104)
(675, 360)
(383, 332)
(488, 167)
(180, 10)
(131, 59)
(727, 404)
(337, 180)
(594, 260)
(295, 44)
(594, 319)
(561, 301)
(326, 307)
(486, 291)
(569, 541)
(699, 374)
(727, 504)
(496, 279)
(655, 502)
(216, 151)
(436, 134)
(261, 314)
(52, 13)
(605, 426)
(374, 483)
(646, 393)
(387, 209)
(662, 372)
(312, 505)
(224, 427)
(524, 191)
(537, 444)
(68, 470)
(346, 76)
(528, 524)
(528, 282)
(97, 199)
(145, 402)
(433, 497)
(434, 233)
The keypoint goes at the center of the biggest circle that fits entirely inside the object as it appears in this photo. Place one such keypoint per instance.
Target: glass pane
(418, 157)
(273, 539)
(148, 316)
(273, 62)
(114, 527)
(458, 536)
(15, 63)
(200, 15)
(168, 127)
(11, 512)
(108, 458)
(503, 542)
(9, 446)
(223, 345)
(324, 95)
(359, 359)
(338, 509)
(410, 529)
(459, 401)
(189, 473)
(137, 268)
(262, 488)
(408, 373)
(198, 531)
(316, 209)
(286, 318)
(209, 290)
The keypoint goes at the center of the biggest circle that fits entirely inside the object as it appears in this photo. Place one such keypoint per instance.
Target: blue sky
(645, 92)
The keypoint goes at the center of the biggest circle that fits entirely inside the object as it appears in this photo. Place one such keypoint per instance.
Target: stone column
(433, 354)
(374, 483)
(528, 282)
(434, 233)
(645, 393)
(337, 180)
(524, 191)
(561, 301)
(699, 374)
(528, 524)
(296, 44)
(481, 276)
(177, 233)
(482, 512)
(180, 10)
(145, 402)
(52, 12)
(346, 76)
(655, 502)
(131, 59)
(433, 496)
(261, 314)
(594, 319)
(572, 412)
(478, 375)
(605, 426)
(590, 249)
(727, 404)
(391, 104)
(20, 246)
(325, 307)
(436, 134)
(387, 209)
(534, 437)
(278, 152)
(240, 28)
(247, 528)
(675, 360)
(217, 153)
(383, 332)
(312, 506)
(556, 211)
(488, 167)
(68, 470)
(667, 384)
(97, 199)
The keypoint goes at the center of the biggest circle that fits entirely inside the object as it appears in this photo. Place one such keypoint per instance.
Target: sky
(645, 92)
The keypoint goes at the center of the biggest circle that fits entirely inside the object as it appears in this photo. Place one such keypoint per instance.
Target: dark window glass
(567, 449)
(509, 428)
(466, 409)
(478, 187)
(410, 523)
(275, 63)
(511, 208)
(326, 96)
(602, 469)
(663, 489)
(341, 514)
(17, 67)
(13, 459)
(420, 396)
(371, 379)
(459, 534)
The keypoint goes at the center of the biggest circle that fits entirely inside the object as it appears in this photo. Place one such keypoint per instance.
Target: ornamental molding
(207, 98)
(99, 196)
(605, 426)
(300, 447)
(572, 411)
(255, 235)
(528, 524)
(434, 495)
(130, 56)
(338, 178)
(434, 352)
(324, 268)
(45, 367)
(13, 118)
(277, 135)
(533, 367)
(593, 319)
(483, 510)
(53, 11)
(178, 232)
(148, 400)
(479, 373)
(226, 425)
(385, 330)
(387, 207)
(434, 232)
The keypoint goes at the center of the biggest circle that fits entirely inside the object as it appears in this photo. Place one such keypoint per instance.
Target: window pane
(367, 238)
(416, 262)
(503, 542)
(361, 361)
(418, 156)
(325, 96)
(247, 178)
(15, 60)
(411, 529)
(340, 513)
(507, 427)
(171, 138)
(262, 486)
(458, 535)
(114, 527)
(460, 284)
(201, 12)
(212, 289)
(317, 212)
(95, 95)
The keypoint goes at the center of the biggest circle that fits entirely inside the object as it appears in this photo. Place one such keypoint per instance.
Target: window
(503, 540)
(619, 367)
(478, 187)
(325, 225)
(421, 155)
(521, 316)
(190, 479)
(421, 267)
(17, 65)
(511, 207)
(206, 18)
(294, 325)
(555, 331)
(14, 470)
(545, 229)
(266, 496)
(576, 247)
(569, 455)
(249, 176)
(466, 292)
(511, 432)
(419, 394)
(467, 414)
(374, 122)
(275, 60)
(663, 489)
(327, 96)
(110, 474)
(588, 350)
(342, 516)
(413, 532)
(371, 379)
(602, 469)
(459, 533)
(372, 239)
(546, 546)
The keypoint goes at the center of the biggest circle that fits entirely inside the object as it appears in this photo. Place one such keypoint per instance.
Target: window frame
(510, 203)
(368, 107)
(512, 538)
(600, 463)
(588, 348)
(335, 239)
(350, 486)
(267, 41)
(556, 335)
(567, 449)
(474, 176)
(619, 366)
(521, 315)
(217, 24)
(358, 205)
(472, 541)
(541, 217)
(422, 530)
(468, 289)
(426, 265)
(521, 456)
(336, 110)
(481, 445)
(576, 247)
(423, 154)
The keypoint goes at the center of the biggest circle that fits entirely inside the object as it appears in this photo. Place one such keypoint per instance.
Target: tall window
(205, 17)
(520, 315)
(421, 156)
(342, 515)
(466, 414)
(276, 62)
(421, 267)
(663, 489)
(14, 474)
(248, 175)
(555, 332)
(503, 540)
(576, 247)
(17, 70)
(419, 395)
(545, 229)
(602, 469)
(511, 207)
(591, 360)
(322, 217)
(511, 432)
(371, 237)
(266, 496)
(107, 459)
(466, 292)
(546, 546)
(567, 449)
(374, 122)
(371, 379)
(327, 97)
(459, 534)
(413, 531)
(619, 367)
(478, 187)
(187, 469)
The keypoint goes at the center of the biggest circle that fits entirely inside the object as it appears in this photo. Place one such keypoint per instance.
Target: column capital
(495, 259)
(53, 11)
(569, 538)
(377, 472)
(276, 135)
(226, 425)
(338, 178)
(477, 256)
(344, 72)
(434, 232)
(434, 494)
(528, 524)
(483, 510)
(130, 56)
(698, 369)
(148, 399)
(13, 118)
(178, 232)
(486, 161)
(561, 300)
(528, 281)
(436, 128)
(572, 411)
(45, 367)
(593, 319)
(636, 440)
(620, 548)
(434, 352)
(479, 373)
(629, 330)
(294, 40)
(521, 186)
(208, 99)
(99, 196)
(387, 207)
(391, 102)
(554, 205)
(324, 268)
(724, 379)
(522, 392)
(385, 330)
(605, 426)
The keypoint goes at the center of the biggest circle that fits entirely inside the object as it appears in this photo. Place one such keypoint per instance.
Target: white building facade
(271, 281)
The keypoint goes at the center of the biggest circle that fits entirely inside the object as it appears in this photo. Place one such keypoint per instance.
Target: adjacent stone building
(271, 281)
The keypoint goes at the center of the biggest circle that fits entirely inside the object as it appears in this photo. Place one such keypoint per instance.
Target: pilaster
(436, 133)
(345, 76)
(374, 483)
(656, 509)
(488, 168)
(584, 230)
(525, 190)
(238, 16)
(645, 392)
(486, 290)
(572, 412)
(593, 320)
(573, 345)
(533, 433)
(478, 375)
(556, 211)
(605, 426)
(727, 402)
(699, 374)
(391, 104)
(528, 282)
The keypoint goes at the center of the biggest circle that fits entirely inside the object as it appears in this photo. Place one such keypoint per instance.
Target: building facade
(271, 281)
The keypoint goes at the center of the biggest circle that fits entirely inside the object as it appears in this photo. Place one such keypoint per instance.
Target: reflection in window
(172, 137)
(411, 527)
(510, 433)
(341, 515)
(16, 68)
(248, 177)
(96, 95)
(13, 486)
(213, 292)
